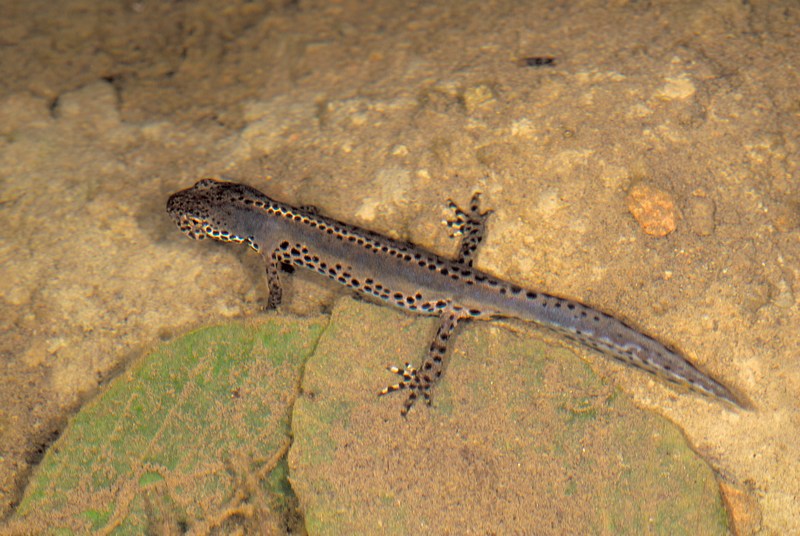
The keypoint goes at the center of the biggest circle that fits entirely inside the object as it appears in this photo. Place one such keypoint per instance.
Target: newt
(414, 279)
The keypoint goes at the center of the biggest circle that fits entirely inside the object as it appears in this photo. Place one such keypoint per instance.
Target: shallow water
(377, 114)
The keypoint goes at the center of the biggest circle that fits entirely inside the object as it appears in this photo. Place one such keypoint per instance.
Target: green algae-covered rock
(522, 438)
(189, 436)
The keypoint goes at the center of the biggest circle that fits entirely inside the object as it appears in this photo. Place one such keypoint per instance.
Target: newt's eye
(205, 183)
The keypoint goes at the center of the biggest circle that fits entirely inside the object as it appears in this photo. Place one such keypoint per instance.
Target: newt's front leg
(274, 282)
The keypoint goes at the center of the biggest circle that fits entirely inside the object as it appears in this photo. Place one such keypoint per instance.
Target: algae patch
(188, 437)
(522, 438)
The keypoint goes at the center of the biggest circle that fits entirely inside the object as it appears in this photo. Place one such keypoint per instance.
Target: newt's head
(219, 210)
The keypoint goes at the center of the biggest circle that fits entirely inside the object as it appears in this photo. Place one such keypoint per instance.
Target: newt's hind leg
(470, 225)
(419, 381)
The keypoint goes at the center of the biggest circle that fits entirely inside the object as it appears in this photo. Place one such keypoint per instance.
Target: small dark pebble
(538, 61)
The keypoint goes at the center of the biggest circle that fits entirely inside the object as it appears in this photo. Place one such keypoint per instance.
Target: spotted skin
(274, 282)
(414, 279)
(471, 227)
(419, 381)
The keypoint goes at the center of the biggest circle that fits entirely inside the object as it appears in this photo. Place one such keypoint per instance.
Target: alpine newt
(414, 279)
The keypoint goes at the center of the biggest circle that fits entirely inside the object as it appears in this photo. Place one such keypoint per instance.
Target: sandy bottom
(377, 113)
